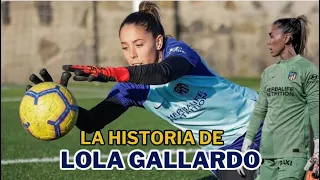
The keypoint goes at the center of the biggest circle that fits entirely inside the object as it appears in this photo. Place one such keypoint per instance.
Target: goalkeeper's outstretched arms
(124, 95)
(171, 68)
(88, 120)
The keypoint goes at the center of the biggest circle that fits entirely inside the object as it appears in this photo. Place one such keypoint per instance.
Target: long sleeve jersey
(288, 102)
(199, 100)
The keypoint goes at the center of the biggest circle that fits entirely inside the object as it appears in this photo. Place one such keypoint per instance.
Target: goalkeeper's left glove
(95, 73)
(65, 76)
(314, 161)
(245, 146)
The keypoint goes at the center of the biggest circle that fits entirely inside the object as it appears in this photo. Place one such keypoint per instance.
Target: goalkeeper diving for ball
(288, 102)
(168, 78)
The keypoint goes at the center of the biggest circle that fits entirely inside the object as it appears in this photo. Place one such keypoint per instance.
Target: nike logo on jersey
(157, 107)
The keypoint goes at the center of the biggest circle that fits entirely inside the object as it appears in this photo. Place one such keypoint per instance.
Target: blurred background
(231, 36)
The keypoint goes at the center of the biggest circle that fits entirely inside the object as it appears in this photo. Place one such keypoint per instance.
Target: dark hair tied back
(298, 28)
(148, 17)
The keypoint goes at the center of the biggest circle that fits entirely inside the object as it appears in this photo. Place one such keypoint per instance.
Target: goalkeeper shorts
(282, 168)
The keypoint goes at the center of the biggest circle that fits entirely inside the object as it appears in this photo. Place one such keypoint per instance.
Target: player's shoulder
(304, 63)
(304, 66)
(173, 45)
(269, 72)
(270, 68)
(171, 41)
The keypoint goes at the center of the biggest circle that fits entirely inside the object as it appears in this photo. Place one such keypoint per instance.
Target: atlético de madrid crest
(292, 75)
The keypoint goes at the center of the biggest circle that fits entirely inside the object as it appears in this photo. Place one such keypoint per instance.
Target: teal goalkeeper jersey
(200, 100)
(288, 101)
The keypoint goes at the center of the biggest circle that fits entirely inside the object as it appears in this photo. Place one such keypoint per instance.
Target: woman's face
(139, 46)
(276, 42)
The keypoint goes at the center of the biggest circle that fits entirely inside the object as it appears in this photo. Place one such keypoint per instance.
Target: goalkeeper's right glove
(313, 162)
(96, 73)
(245, 146)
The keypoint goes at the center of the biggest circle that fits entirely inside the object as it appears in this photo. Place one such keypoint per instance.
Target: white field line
(18, 99)
(94, 93)
(76, 89)
(90, 90)
(57, 159)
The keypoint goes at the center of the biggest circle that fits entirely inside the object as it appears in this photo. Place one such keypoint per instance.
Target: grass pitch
(18, 146)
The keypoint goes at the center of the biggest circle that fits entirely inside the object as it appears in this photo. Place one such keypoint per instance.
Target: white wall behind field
(230, 36)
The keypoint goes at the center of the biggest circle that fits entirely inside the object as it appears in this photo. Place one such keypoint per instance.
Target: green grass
(18, 144)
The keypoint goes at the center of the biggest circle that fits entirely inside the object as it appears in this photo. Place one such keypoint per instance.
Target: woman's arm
(173, 67)
(311, 88)
(168, 70)
(102, 114)
(259, 113)
(121, 97)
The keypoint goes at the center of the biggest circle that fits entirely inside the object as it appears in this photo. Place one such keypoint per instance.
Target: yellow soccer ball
(48, 111)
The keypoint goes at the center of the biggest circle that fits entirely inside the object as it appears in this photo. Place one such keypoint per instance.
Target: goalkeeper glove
(245, 146)
(95, 73)
(65, 76)
(314, 161)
